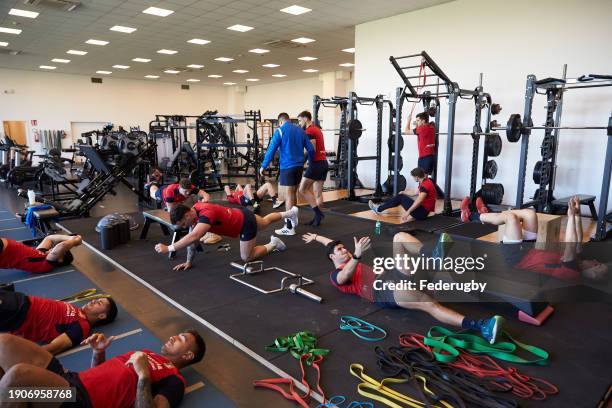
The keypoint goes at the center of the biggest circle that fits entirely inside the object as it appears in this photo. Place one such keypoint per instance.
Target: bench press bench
(162, 218)
(588, 200)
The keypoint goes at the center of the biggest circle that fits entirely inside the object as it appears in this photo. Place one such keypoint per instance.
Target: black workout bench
(588, 200)
(163, 219)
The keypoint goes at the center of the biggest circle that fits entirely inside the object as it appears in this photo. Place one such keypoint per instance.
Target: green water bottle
(377, 228)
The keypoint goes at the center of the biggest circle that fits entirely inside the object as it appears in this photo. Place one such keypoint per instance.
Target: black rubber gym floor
(576, 335)
(345, 207)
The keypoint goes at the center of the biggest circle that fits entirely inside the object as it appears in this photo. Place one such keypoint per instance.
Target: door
(16, 130)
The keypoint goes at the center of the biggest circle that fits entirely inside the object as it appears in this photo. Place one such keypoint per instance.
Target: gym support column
(529, 93)
(448, 172)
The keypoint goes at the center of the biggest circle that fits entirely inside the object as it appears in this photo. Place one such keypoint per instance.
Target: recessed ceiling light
(240, 71)
(229, 83)
(104, 72)
(141, 60)
(123, 29)
(279, 75)
(240, 27)
(351, 50)
(295, 10)
(23, 13)
(270, 65)
(193, 80)
(347, 64)
(307, 58)
(252, 79)
(198, 41)
(10, 30)
(152, 76)
(96, 42)
(310, 70)
(303, 40)
(171, 71)
(156, 11)
(3, 44)
(76, 52)
(168, 52)
(258, 51)
(215, 76)
(60, 60)
(46, 67)
(121, 66)
(224, 59)
(195, 66)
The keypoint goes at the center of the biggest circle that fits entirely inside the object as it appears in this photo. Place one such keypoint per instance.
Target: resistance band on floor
(485, 367)
(303, 346)
(87, 294)
(360, 327)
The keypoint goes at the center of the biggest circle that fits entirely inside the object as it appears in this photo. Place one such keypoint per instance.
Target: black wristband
(356, 257)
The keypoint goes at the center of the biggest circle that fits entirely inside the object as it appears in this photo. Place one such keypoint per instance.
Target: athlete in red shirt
(311, 186)
(418, 209)
(522, 225)
(354, 277)
(136, 378)
(228, 222)
(53, 252)
(58, 324)
(174, 194)
(245, 196)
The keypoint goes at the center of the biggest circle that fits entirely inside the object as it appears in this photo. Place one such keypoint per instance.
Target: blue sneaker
(490, 328)
(374, 207)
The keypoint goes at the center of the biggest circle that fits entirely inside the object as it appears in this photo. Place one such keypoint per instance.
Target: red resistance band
(522, 386)
(292, 394)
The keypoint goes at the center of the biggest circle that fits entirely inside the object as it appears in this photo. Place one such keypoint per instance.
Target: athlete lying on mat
(522, 225)
(174, 194)
(354, 277)
(228, 222)
(418, 209)
(59, 324)
(133, 379)
(245, 197)
(53, 252)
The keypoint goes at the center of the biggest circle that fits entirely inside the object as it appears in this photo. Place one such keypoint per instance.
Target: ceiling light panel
(23, 13)
(240, 28)
(296, 10)
(7, 30)
(308, 58)
(224, 59)
(76, 52)
(195, 66)
(270, 65)
(60, 60)
(198, 41)
(121, 66)
(302, 40)
(123, 29)
(259, 51)
(156, 11)
(96, 42)
(141, 60)
(167, 52)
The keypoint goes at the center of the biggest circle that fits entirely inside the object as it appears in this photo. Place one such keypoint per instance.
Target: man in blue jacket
(292, 141)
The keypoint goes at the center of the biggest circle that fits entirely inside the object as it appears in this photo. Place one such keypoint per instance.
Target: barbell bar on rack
(515, 128)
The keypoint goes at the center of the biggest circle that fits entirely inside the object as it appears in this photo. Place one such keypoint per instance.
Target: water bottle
(31, 197)
(377, 228)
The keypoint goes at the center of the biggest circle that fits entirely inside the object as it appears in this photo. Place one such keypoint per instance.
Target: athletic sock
(472, 324)
(270, 246)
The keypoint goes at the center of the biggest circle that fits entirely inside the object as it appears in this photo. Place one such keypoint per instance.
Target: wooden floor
(393, 215)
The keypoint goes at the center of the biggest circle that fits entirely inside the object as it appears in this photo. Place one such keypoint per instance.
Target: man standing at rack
(425, 132)
(291, 140)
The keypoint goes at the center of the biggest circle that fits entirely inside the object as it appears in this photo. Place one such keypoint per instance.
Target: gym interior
(250, 203)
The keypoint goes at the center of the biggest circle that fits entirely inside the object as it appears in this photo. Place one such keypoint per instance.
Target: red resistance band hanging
(292, 394)
(522, 386)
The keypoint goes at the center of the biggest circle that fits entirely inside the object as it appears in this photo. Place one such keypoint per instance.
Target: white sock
(286, 214)
(270, 246)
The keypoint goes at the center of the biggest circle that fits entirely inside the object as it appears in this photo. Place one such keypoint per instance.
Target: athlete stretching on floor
(174, 194)
(133, 379)
(354, 277)
(59, 324)
(522, 225)
(228, 222)
(418, 209)
(53, 252)
(245, 197)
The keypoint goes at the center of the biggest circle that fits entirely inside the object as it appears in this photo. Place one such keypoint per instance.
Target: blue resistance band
(358, 326)
(337, 400)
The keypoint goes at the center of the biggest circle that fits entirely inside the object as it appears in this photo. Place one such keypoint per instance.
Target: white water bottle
(31, 197)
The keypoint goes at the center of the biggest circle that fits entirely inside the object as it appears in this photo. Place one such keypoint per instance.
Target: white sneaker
(293, 216)
(374, 207)
(278, 244)
(278, 203)
(285, 231)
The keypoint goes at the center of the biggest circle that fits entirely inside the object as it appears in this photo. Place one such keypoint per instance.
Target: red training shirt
(313, 132)
(426, 139)
(171, 194)
(234, 198)
(113, 383)
(427, 186)
(46, 319)
(222, 220)
(548, 263)
(360, 283)
(20, 256)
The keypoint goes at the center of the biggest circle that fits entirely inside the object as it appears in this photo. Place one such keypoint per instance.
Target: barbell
(515, 128)
(355, 128)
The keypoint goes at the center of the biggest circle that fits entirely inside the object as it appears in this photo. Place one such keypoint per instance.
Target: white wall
(287, 96)
(56, 100)
(506, 41)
